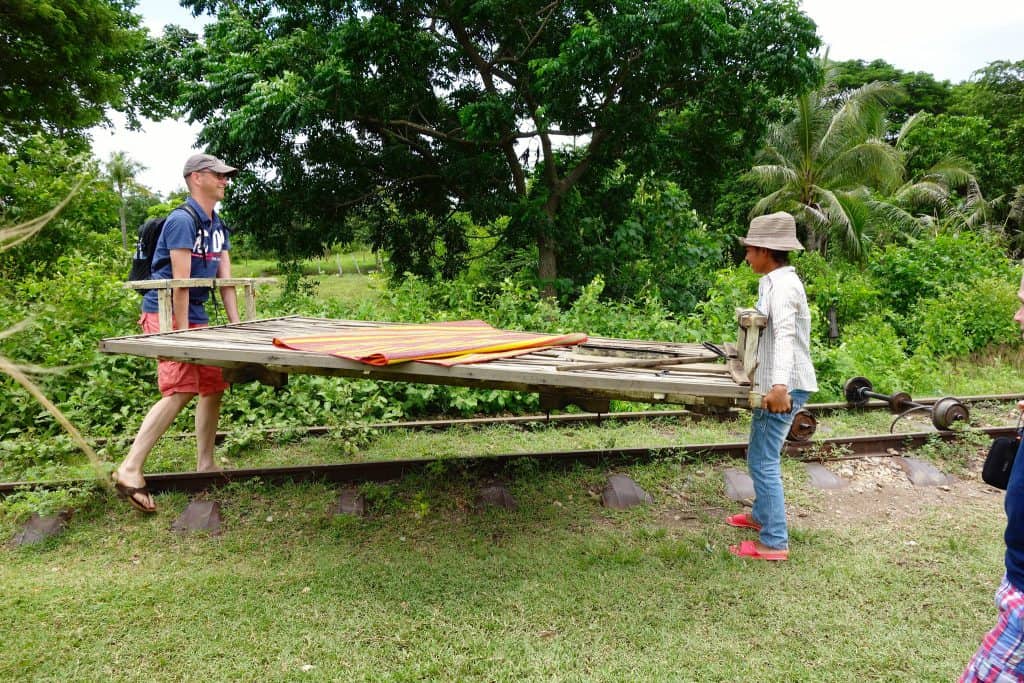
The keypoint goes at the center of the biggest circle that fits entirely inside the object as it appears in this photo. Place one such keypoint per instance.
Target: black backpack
(149, 233)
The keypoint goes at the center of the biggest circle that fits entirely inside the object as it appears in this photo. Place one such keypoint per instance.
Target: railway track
(378, 471)
(584, 418)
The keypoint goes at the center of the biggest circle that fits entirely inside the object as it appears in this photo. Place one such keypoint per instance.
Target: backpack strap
(197, 223)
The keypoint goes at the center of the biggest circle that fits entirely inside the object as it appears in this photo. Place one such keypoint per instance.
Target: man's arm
(228, 294)
(181, 269)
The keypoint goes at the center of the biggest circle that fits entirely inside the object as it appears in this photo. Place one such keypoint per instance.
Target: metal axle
(945, 411)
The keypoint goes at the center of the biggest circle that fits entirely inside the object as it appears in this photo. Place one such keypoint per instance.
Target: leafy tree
(121, 170)
(820, 164)
(995, 92)
(920, 90)
(659, 246)
(971, 138)
(419, 111)
(34, 180)
(65, 62)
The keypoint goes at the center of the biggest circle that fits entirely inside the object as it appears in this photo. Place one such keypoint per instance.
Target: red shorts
(175, 377)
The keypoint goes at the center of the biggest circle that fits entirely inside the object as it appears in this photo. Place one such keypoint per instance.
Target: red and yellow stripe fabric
(444, 343)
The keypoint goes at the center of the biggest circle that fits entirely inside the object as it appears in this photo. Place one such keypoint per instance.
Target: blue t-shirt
(1014, 536)
(180, 233)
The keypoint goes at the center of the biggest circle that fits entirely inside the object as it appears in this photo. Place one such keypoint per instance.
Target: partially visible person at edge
(1000, 657)
(182, 253)
(784, 375)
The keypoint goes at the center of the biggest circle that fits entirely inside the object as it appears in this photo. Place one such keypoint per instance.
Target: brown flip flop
(129, 493)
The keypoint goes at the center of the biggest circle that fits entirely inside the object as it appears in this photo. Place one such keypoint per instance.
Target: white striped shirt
(784, 352)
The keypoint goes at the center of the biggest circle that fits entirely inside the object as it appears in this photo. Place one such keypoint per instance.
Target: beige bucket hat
(775, 231)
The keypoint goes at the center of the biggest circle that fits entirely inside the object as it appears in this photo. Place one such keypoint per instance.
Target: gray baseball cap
(207, 162)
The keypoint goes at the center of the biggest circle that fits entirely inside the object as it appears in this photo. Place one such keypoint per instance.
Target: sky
(947, 39)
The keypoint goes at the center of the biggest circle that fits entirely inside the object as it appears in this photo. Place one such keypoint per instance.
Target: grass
(428, 587)
(358, 263)
(248, 448)
(349, 283)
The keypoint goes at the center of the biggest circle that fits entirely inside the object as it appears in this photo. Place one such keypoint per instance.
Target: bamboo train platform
(590, 374)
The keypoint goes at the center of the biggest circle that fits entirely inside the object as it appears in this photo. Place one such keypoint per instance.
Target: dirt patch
(880, 490)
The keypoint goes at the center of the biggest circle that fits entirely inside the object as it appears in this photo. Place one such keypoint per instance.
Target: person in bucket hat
(784, 375)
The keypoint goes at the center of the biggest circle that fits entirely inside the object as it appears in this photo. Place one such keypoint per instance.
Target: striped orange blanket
(444, 343)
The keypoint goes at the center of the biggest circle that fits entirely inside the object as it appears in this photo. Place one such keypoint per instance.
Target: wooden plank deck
(247, 351)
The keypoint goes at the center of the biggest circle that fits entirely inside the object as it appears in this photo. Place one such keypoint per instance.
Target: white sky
(947, 39)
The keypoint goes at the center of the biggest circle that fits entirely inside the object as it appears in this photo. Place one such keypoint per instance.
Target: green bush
(931, 266)
(34, 180)
(966, 318)
(651, 245)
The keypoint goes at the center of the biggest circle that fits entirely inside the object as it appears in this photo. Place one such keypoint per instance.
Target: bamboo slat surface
(250, 343)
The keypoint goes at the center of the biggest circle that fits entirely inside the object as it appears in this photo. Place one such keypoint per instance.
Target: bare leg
(156, 422)
(207, 416)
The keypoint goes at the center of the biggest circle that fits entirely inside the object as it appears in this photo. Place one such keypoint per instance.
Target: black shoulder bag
(999, 461)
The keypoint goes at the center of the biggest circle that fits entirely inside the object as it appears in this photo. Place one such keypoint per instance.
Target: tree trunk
(124, 226)
(547, 265)
(816, 241)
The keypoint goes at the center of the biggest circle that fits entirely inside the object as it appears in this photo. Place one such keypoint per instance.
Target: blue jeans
(764, 461)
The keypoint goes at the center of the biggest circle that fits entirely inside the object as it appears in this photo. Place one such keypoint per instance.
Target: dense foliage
(65, 62)
(900, 319)
(416, 111)
(33, 180)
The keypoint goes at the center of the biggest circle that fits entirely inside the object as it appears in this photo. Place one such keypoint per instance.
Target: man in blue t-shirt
(1000, 657)
(185, 250)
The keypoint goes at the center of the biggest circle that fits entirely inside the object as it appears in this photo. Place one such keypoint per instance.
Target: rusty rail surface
(387, 470)
(571, 418)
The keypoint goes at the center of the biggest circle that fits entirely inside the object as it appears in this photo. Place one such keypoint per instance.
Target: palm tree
(945, 197)
(822, 164)
(121, 171)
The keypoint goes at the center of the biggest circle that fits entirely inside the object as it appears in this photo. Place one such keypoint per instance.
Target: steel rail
(571, 418)
(821, 450)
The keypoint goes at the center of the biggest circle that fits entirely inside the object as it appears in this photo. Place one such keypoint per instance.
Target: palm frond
(954, 172)
(910, 124)
(775, 200)
(873, 162)
(847, 218)
(923, 195)
(897, 219)
(770, 177)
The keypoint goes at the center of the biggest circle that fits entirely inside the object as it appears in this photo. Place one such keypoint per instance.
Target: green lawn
(359, 262)
(429, 587)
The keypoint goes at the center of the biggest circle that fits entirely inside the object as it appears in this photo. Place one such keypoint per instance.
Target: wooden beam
(635, 363)
(166, 287)
(200, 282)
